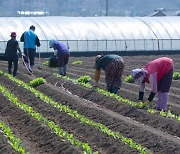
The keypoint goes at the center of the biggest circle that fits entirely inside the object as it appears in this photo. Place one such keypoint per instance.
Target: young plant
(36, 82)
(74, 114)
(129, 79)
(119, 98)
(14, 141)
(51, 124)
(84, 79)
(46, 63)
(77, 62)
(176, 75)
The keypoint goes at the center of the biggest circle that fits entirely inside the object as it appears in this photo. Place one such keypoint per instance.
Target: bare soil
(158, 134)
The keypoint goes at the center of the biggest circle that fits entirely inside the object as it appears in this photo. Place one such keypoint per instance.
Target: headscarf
(13, 34)
(96, 59)
(139, 74)
(51, 42)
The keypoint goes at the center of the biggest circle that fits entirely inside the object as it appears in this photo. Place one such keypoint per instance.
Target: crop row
(167, 114)
(75, 114)
(13, 140)
(52, 125)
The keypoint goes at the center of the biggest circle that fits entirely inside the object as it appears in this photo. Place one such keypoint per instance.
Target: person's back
(30, 40)
(11, 53)
(62, 48)
(160, 66)
(105, 60)
(11, 50)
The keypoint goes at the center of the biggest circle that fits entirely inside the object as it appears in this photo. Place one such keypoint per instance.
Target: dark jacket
(11, 50)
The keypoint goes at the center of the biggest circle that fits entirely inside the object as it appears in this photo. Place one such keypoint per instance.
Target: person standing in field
(62, 52)
(11, 54)
(158, 73)
(113, 66)
(30, 40)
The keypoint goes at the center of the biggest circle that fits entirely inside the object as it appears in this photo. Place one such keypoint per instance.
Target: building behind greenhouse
(92, 34)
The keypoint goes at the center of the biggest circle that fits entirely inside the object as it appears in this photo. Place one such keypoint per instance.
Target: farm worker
(30, 40)
(62, 52)
(113, 66)
(158, 73)
(11, 54)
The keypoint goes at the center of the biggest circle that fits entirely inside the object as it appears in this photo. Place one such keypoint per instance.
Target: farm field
(64, 116)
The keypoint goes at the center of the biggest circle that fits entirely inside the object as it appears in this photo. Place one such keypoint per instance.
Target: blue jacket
(30, 40)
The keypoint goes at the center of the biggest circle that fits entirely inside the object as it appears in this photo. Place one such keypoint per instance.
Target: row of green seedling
(13, 140)
(129, 78)
(51, 124)
(83, 119)
(140, 105)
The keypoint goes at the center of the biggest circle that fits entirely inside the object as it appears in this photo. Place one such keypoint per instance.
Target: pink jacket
(156, 69)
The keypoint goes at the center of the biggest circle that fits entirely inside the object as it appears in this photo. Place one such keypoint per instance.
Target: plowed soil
(154, 132)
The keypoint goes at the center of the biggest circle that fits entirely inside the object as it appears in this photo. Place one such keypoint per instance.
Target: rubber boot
(115, 90)
(32, 68)
(159, 100)
(61, 72)
(164, 101)
(9, 71)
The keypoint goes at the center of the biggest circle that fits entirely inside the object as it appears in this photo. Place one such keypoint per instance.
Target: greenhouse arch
(89, 34)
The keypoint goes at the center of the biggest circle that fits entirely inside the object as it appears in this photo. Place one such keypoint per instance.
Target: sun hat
(51, 42)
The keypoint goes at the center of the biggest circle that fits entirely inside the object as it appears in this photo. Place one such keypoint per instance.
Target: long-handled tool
(30, 73)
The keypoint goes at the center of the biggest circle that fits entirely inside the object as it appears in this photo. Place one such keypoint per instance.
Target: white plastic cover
(98, 33)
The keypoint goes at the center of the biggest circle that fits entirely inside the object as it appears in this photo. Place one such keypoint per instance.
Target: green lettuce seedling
(36, 82)
(129, 79)
(176, 75)
(77, 62)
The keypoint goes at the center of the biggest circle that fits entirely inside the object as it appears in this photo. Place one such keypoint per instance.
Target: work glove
(55, 52)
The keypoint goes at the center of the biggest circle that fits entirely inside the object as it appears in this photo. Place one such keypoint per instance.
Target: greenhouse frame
(91, 34)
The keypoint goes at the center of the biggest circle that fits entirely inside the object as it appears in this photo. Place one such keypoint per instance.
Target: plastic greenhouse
(83, 34)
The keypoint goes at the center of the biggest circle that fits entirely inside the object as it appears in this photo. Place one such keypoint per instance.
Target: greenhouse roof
(93, 28)
(98, 33)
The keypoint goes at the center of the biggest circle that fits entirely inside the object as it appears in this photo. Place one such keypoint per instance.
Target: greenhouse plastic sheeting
(97, 33)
